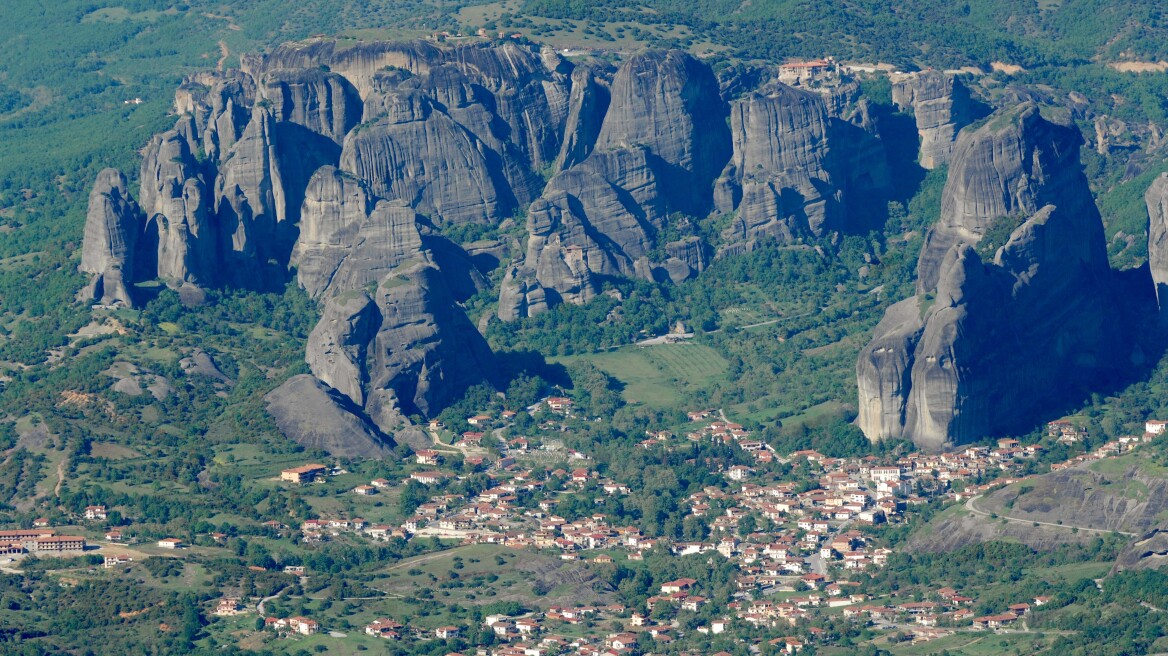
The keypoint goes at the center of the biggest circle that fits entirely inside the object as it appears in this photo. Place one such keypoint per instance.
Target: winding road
(974, 509)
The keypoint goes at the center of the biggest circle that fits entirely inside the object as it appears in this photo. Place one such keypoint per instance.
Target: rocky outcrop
(339, 343)
(1009, 168)
(1148, 551)
(587, 106)
(1014, 295)
(942, 106)
(345, 165)
(348, 238)
(219, 107)
(669, 103)
(200, 363)
(426, 352)
(424, 157)
(406, 349)
(392, 338)
(318, 418)
(319, 101)
(178, 210)
(661, 144)
(1156, 199)
(111, 234)
(251, 205)
(781, 179)
(521, 295)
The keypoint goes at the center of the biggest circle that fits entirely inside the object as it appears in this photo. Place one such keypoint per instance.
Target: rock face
(1012, 167)
(111, 234)
(669, 103)
(321, 102)
(995, 336)
(782, 177)
(460, 138)
(942, 106)
(406, 349)
(343, 166)
(661, 144)
(392, 338)
(1156, 199)
(348, 238)
(317, 417)
(178, 211)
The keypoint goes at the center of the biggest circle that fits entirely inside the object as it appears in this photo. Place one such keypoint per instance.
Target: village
(818, 536)
(799, 546)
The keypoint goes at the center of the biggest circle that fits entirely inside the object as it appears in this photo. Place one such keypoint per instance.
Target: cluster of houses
(797, 544)
(286, 625)
(39, 541)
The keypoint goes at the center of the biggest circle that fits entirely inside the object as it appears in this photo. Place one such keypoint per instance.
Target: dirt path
(973, 509)
(421, 559)
(60, 476)
(224, 53)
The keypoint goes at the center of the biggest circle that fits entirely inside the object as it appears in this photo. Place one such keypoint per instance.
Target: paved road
(260, 606)
(969, 505)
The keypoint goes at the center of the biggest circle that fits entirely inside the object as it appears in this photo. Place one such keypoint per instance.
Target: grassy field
(657, 376)
(1120, 465)
(481, 574)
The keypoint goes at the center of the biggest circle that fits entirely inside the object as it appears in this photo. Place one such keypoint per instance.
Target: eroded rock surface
(111, 234)
(1014, 295)
(319, 418)
(942, 106)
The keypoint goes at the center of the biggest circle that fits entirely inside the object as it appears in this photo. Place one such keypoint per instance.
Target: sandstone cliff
(392, 338)
(345, 165)
(782, 176)
(1156, 199)
(111, 234)
(942, 106)
(662, 142)
(996, 336)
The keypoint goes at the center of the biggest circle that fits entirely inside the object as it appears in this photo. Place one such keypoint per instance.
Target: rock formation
(317, 417)
(1014, 295)
(781, 178)
(942, 105)
(1156, 199)
(319, 101)
(670, 104)
(349, 239)
(347, 165)
(392, 338)
(111, 234)
(661, 143)
(178, 211)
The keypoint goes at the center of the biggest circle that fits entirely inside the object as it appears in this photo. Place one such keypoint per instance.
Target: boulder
(317, 417)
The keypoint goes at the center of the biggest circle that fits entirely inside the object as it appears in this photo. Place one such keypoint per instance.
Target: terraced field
(658, 376)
